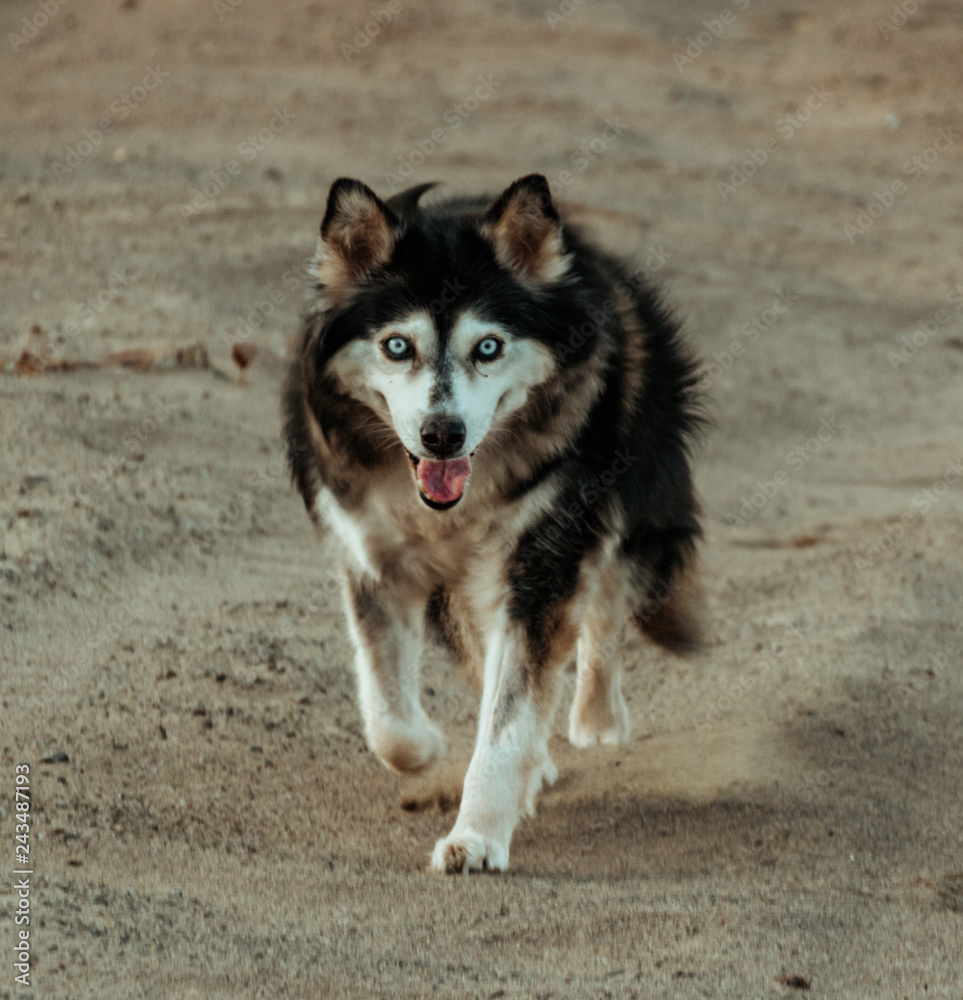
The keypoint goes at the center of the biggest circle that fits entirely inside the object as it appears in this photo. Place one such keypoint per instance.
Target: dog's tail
(405, 203)
(671, 614)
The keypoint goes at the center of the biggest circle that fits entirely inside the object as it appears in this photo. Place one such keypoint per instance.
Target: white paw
(599, 722)
(469, 851)
(403, 746)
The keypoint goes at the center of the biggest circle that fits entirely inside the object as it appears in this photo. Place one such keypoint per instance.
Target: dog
(494, 419)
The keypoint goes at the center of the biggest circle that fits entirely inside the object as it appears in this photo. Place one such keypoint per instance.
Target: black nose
(443, 436)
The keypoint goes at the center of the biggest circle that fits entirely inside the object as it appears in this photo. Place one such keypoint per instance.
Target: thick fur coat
(493, 418)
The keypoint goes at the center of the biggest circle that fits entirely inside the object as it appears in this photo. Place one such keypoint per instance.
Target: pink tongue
(444, 481)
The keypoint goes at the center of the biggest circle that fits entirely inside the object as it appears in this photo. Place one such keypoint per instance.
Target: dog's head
(437, 319)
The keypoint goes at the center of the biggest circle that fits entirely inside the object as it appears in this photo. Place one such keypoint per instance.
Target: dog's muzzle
(442, 478)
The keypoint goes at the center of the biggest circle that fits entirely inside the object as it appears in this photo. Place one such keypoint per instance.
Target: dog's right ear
(358, 234)
(526, 233)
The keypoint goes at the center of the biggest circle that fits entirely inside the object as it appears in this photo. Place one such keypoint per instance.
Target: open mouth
(441, 483)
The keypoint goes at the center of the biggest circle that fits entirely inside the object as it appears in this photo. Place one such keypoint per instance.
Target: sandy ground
(206, 820)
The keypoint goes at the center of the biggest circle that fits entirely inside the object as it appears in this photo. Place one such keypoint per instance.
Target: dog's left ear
(526, 232)
(358, 234)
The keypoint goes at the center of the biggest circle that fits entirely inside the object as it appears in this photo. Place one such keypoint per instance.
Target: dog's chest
(393, 531)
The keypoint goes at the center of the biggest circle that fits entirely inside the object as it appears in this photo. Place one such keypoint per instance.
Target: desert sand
(206, 821)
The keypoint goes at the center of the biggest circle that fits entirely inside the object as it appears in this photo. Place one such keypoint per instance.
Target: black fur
(581, 511)
(442, 262)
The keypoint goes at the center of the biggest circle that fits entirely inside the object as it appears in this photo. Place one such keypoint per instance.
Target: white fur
(352, 535)
(483, 391)
(465, 548)
(509, 765)
(396, 390)
(480, 393)
(387, 663)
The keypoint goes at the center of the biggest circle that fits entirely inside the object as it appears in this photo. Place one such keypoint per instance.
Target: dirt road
(206, 822)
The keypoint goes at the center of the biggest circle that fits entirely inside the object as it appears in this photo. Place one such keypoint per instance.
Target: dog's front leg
(511, 759)
(386, 620)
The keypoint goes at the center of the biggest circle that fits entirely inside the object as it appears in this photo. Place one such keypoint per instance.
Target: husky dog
(493, 419)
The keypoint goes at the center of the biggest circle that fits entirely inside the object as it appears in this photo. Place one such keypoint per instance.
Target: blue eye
(489, 349)
(397, 348)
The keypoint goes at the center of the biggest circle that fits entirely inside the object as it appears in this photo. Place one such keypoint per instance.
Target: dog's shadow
(739, 800)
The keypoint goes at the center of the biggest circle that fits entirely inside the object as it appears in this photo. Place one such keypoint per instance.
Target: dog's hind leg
(599, 713)
(387, 626)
